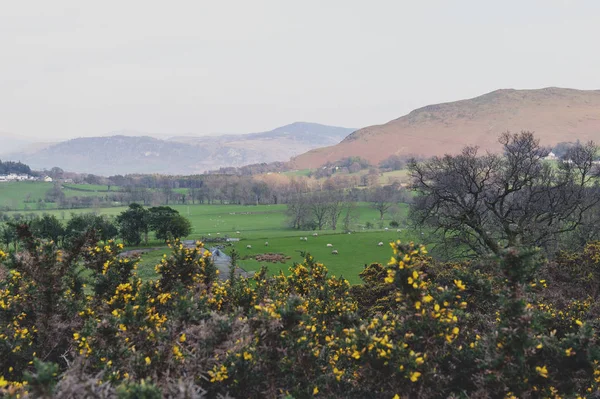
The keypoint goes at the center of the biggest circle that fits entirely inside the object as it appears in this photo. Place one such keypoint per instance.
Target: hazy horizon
(73, 69)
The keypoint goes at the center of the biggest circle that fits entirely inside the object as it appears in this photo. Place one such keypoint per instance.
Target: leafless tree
(494, 201)
(382, 198)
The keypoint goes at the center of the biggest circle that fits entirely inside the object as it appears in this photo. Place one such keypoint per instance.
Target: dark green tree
(49, 228)
(132, 223)
(166, 221)
(82, 223)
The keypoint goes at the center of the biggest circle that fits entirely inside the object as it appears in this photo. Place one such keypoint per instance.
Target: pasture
(267, 223)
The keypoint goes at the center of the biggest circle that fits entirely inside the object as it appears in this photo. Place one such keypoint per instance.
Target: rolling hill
(122, 154)
(554, 114)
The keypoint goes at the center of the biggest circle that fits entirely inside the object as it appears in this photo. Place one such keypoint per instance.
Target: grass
(257, 224)
(14, 194)
(354, 251)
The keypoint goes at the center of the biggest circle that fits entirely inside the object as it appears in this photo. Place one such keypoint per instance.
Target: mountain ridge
(554, 114)
(123, 154)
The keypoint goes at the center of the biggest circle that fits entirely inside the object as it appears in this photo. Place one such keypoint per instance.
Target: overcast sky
(81, 68)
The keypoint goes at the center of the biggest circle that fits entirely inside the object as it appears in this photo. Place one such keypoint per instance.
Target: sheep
(330, 245)
(334, 252)
(305, 238)
(237, 232)
(315, 234)
(386, 229)
(248, 246)
(380, 244)
(266, 243)
(398, 230)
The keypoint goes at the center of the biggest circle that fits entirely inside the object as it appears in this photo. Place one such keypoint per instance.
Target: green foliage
(141, 390)
(42, 381)
(167, 222)
(48, 227)
(134, 222)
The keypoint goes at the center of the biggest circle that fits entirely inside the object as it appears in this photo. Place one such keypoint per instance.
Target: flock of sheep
(333, 252)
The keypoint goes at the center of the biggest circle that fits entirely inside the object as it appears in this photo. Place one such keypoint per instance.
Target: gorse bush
(416, 328)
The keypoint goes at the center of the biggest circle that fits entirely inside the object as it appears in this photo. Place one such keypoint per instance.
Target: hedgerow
(515, 326)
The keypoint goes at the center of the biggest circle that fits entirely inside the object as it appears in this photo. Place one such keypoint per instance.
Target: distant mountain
(122, 154)
(554, 114)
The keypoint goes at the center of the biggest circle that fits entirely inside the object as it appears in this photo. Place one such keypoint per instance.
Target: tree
(382, 198)
(319, 206)
(48, 227)
(298, 212)
(80, 224)
(336, 207)
(350, 215)
(496, 201)
(132, 223)
(167, 222)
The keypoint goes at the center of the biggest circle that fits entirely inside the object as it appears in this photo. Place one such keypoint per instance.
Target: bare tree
(336, 206)
(298, 211)
(382, 198)
(495, 201)
(319, 206)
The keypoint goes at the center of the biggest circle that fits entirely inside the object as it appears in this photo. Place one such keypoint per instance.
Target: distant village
(12, 177)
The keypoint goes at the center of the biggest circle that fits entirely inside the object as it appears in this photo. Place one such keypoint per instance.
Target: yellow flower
(542, 371)
(569, 352)
(578, 322)
(3, 382)
(247, 356)
(182, 338)
(414, 376)
(396, 396)
(418, 305)
(315, 390)
(148, 361)
(459, 284)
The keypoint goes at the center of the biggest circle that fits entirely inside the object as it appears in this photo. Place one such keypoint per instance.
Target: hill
(554, 114)
(122, 154)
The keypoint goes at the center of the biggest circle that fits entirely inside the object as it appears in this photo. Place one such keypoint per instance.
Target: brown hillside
(554, 114)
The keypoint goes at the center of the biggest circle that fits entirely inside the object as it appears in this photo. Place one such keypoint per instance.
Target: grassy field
(257, 224)
(24, 196)
(260, 224)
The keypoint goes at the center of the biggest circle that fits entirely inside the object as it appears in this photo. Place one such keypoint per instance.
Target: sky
(73, 68)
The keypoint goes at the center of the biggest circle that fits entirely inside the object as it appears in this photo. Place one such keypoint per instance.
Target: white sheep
(334, 252)
(315, 234)
(248, 246)
(266, 243)
(305, 238)
(237, 232)
(398, 230)
(386, 229)
(380, 244)
(330, 245)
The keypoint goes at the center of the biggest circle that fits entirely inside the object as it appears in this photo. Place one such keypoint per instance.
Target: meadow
(267, 223)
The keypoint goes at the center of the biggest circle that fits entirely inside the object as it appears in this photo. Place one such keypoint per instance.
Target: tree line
(132, 225)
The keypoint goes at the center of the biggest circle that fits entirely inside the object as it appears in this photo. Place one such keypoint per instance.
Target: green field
(24, 196)
(258, 224)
